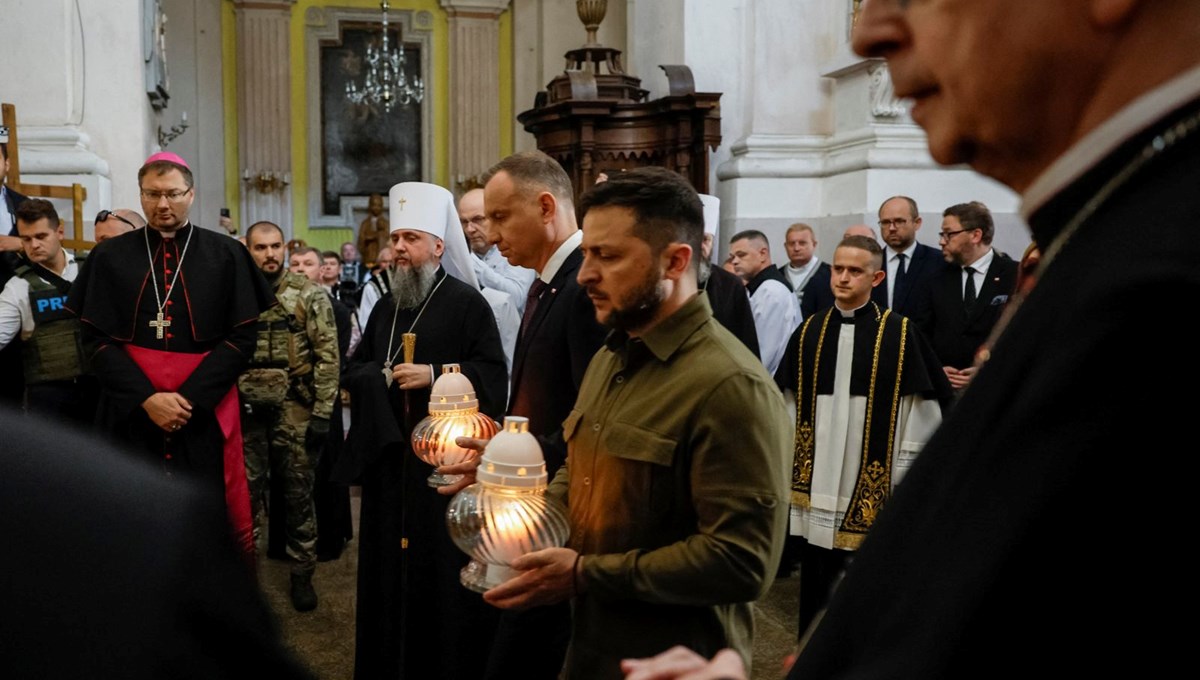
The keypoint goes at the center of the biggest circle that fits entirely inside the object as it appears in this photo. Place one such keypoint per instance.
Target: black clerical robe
(415, 620)
(216, 299)
(1043, 528)
(731, 306)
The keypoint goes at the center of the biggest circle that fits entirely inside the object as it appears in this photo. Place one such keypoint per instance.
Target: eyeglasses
(947, 235)
(103, 216)
(898, 222)
(171, 196)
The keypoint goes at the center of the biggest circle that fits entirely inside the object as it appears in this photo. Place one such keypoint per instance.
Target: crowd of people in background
(927, 432)
(291, 333)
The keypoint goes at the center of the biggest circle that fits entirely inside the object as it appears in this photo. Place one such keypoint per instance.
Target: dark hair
(36, 209)
(912, 205)
(334, 255)
(665, 207)
(534, 171)
(973, 215)
(4, 150)
(162, 168)
(864, 243)
(753, 235)
(263, 225)
(305, 250)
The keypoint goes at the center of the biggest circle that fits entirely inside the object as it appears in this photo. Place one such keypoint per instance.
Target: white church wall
(74, 71)
(543, 31)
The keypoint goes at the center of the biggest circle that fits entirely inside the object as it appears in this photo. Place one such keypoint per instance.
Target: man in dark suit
(120, 572)
(911, 266)
(529, 204)
(806, 272)
(12, 376)
(967, 298)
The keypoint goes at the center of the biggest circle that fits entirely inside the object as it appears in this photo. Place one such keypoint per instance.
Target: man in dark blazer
(118, 572)
(529, 204)
(911, 266)
(9, 200)
(967, 298)
(12, 375)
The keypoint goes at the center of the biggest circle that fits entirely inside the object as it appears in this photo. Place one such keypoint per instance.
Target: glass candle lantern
(506, 514)
(453, 413)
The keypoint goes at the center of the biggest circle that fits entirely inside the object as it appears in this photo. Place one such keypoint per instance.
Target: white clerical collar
(560, 256)
(798, 273)
(1087, 152)
(850, 314)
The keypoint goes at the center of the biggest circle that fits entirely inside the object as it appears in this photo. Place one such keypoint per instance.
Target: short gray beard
(705, 271)
(411, 285)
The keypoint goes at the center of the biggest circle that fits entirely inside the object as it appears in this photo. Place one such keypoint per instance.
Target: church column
(474, 85)
(76, 74)
(264, 87)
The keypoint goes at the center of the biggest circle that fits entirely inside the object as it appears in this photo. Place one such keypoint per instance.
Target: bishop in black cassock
(206, 338)
(415, 619)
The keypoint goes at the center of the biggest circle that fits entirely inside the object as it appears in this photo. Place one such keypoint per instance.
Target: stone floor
(324, 638)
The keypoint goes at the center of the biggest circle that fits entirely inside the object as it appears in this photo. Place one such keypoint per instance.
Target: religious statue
(373, 232)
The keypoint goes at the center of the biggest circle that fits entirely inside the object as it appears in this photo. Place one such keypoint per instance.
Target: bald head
(473, 219)
(118, 222)
(860, 230)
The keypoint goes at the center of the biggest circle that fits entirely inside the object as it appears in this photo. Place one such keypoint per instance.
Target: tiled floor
(324, 638)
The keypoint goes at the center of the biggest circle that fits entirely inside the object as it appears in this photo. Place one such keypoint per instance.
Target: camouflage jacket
(299, 334)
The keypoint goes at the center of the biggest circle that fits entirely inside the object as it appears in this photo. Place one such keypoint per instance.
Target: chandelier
(385, 82)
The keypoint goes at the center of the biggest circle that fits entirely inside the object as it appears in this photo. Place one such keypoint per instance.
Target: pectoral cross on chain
(158, 325)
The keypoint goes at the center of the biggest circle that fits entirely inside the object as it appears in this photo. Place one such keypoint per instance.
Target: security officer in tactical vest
(287, 397)
(31, 307)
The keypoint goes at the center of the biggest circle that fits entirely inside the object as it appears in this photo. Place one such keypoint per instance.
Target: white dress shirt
(893, 268)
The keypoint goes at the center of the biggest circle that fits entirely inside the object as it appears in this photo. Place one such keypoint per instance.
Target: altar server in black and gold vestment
(415, 619)
(867, 389)
(168, 316)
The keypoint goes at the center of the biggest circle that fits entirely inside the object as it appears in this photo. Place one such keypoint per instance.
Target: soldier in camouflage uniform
(287, 398)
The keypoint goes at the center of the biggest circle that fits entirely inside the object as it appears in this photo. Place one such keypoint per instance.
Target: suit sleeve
(585, 335)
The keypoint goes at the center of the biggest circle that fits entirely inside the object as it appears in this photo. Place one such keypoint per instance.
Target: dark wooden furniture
(593, 122)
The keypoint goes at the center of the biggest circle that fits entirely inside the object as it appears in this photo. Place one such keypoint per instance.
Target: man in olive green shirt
(678, 443)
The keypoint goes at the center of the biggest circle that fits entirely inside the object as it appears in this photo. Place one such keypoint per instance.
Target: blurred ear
(547, 206)
(677, 259)
(1111, 13)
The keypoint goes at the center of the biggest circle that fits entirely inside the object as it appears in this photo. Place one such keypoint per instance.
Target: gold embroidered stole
(879, 433)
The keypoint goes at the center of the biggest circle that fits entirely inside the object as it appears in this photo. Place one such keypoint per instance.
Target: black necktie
(969, 290)
(901, 277)
(531, 302)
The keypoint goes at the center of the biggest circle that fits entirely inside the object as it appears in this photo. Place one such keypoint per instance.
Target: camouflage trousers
(275, 446)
